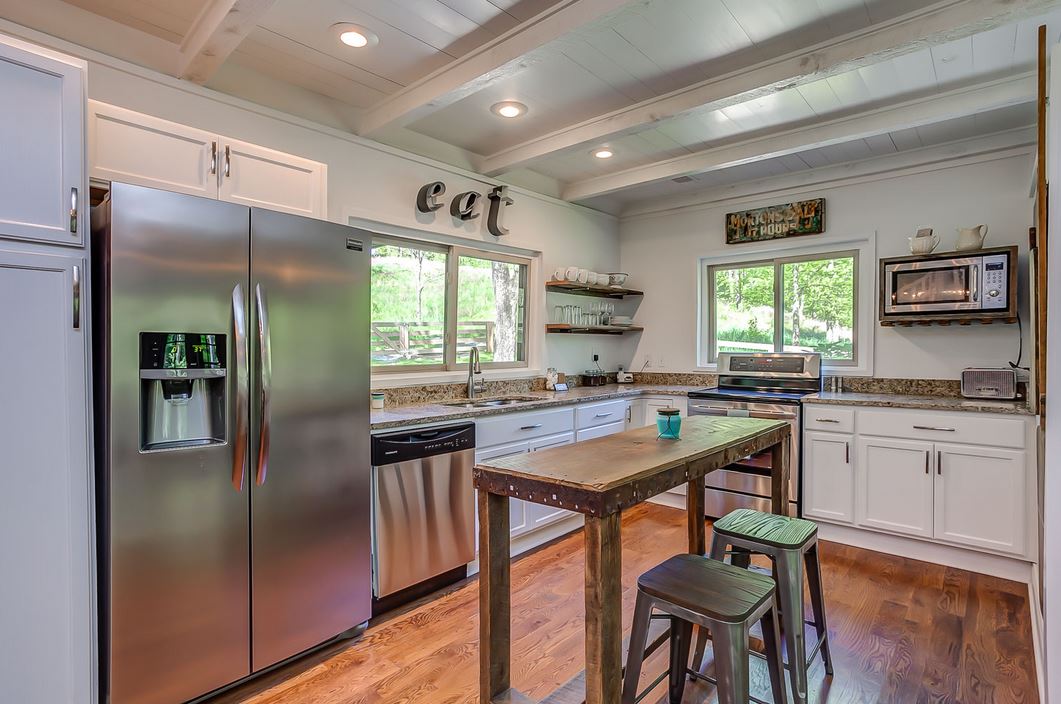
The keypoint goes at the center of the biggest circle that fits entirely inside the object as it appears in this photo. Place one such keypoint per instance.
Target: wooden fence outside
(424, 341)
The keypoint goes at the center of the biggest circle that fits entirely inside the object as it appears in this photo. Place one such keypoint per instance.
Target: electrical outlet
(659, 362)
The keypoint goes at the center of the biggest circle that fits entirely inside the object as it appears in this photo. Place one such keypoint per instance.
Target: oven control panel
(994, 295)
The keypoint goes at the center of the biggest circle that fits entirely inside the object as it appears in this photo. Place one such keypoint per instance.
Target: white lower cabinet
(829, 491)
(517, 510)
(980, 495)
(600, 431)
(895, 478)
(539, 515)
(643, 410)
(896, 473)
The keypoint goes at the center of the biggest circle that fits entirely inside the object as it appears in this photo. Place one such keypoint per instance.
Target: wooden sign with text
(805, 217)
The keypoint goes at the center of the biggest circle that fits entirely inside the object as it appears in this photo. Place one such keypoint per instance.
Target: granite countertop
(421, 413)
(934, 403)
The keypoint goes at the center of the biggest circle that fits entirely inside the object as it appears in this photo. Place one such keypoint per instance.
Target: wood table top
(604, 475)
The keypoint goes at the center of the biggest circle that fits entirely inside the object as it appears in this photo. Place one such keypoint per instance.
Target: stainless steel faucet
(474, 386)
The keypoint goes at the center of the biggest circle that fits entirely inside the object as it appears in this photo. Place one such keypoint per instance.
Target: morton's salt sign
(805, 217)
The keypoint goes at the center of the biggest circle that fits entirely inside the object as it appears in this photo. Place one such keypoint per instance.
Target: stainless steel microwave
(954, 283)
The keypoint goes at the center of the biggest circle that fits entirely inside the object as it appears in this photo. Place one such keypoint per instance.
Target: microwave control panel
(996, 278)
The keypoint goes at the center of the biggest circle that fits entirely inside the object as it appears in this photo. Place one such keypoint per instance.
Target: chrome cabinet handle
(929, 427)
(77, 297)
(939, 462)
(265, 381)
(73, 210)
(847, 452)
(927, 453)
(530, 427)
(228, 161)
(826, 420)
(239, 343)
(603, 415)
(213, 157)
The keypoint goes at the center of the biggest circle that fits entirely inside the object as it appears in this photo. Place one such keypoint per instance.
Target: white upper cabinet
(42, 142)
(130, 147)
(135, 148)
(265, 178)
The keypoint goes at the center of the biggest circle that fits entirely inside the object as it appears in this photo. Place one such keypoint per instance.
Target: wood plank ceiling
(708, 92)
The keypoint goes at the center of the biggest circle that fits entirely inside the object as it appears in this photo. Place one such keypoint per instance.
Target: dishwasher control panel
(405, 446)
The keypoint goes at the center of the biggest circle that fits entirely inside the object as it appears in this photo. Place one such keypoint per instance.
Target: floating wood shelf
(591, 329)
(594, 290)
(911, 321)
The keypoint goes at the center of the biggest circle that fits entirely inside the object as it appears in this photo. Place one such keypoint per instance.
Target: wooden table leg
(604, 610)
(495, 595)
(694, 507)
(781, 469)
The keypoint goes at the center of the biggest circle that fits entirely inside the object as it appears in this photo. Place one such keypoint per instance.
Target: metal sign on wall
(804, 217)
(465, 206)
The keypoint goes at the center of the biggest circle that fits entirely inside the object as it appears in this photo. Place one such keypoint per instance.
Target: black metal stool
(792, 545)
(725, 599)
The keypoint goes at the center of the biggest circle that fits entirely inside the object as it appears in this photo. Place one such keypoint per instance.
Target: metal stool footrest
(708, 678)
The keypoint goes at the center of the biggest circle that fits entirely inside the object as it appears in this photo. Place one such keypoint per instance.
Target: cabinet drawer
(944, 427)
(595, 414)
(600, 431)
(818, 416)
(523, 426)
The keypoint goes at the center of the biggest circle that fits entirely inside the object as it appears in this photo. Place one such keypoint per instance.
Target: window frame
(453, 253)
(708, 306)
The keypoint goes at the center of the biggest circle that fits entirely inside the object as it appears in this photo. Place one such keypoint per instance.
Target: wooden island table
(600, 478)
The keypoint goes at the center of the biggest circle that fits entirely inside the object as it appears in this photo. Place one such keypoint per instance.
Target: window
(432, 303)
(793, 304)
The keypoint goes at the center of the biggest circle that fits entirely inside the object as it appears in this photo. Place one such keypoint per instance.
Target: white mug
(591, 278)
(571, 274)
(558, 275)
(583, 276)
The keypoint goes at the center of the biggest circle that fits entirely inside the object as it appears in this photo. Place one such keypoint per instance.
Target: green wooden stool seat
(781, 532)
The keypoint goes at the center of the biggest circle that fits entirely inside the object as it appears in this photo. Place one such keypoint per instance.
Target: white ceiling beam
(937, 23)
(914, 113)
(491, 62)
(215, 34)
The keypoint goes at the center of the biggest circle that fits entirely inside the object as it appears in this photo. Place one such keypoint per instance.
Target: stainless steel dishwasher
(423, 510)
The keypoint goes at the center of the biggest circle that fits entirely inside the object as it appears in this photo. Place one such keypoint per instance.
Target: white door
(135, 148)
(895, 485)
(829, 477)
(980, 497)
(46, 520)
(42, 142)
(539, 515)
(265, 178)
(518, 521)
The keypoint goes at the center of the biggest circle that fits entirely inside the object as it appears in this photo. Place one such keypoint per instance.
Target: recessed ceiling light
(355, 35)
(509, 108)
(604, 153)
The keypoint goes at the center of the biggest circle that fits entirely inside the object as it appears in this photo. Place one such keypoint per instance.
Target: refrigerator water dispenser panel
(182, 390)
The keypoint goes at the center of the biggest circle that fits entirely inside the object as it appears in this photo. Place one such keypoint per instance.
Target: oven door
(751, 475)
(944, 285)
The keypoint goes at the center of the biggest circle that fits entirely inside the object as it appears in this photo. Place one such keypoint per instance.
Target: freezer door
(176, 612)
(311, 488)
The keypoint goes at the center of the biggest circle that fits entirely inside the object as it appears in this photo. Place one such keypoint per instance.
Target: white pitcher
(971, 237)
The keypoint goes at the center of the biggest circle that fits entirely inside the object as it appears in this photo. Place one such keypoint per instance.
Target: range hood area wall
(993, 190)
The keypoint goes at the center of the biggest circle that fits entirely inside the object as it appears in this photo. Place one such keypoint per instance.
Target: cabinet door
(518, 521)
(46, 521)
(652, 405)
(828, 477)
(265, 178)
(636, 414)
(135, 148)
(980, 497)
(42, 141)
(895, 485)
(601, 430)
(539, 515)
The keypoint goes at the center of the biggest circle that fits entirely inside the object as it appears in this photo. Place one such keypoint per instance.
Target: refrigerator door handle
(239, 325)
(265, 381)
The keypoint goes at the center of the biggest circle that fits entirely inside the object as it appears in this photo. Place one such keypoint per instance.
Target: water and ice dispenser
(182, 390)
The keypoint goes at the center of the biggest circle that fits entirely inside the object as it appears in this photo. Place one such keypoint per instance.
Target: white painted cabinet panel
(265, 178)
(131, 147)
(518, 520)
(539, 515)
(829, 476)
(981, 497)
(643, 410)
(601, 430)
(895, 485)
(42, 142)
(46, 521)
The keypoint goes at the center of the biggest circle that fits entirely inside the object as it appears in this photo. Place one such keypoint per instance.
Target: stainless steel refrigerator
(233, 450)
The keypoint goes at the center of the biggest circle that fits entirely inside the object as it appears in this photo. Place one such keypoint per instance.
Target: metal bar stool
(792, 545)
(728, 601)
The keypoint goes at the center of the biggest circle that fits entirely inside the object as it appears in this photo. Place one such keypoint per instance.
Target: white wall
(373, 181)
(661, 252)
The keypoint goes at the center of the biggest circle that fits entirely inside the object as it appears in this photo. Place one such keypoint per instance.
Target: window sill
(425, 378)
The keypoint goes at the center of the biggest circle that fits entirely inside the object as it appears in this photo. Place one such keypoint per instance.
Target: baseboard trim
(537, 538)
(1038, 631)
(670, 499)
(1010, 568)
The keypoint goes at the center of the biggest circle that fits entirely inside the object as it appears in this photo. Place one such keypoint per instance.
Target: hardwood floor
(902, 631)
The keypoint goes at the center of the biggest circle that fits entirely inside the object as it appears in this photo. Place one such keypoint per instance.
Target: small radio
(989, 382)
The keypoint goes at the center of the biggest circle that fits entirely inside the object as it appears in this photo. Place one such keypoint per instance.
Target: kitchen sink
(492, 402)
